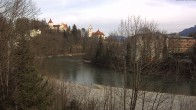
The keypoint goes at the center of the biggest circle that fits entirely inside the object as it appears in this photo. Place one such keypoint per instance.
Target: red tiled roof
(98, 33)
(64, 26)
(50, 21)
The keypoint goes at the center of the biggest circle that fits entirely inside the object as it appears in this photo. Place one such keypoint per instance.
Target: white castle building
(61, 27)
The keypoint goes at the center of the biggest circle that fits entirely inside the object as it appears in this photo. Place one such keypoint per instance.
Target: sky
(105, 15)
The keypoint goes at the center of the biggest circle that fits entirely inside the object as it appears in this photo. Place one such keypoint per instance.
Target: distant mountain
(118, 38)
(187, 31)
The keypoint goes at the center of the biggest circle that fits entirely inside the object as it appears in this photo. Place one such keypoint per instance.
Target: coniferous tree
(75, 33)
(98, 58)
(30, 91)
(74, 30)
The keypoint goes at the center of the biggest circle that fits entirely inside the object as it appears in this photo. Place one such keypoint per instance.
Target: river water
(75, 70)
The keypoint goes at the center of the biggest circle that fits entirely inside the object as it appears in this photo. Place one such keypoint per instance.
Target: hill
(188, 31)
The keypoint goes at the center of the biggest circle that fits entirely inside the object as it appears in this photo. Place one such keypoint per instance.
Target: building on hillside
(62, 27)
(35, 32)
(157, 46)
(50, 24)
(98, 33)
(56, 27)
(180, 45)
(90, 31)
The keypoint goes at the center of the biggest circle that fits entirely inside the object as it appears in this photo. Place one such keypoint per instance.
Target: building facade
(90, 31)
(98, 33)
(148, 47)
(180, 45)
(62, 27)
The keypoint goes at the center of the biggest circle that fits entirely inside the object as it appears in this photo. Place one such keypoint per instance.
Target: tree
(74, 30)
(30, 90)
(18, 75)
(27, 89)
(12, 10)
(192, 35)
(97, 52)
(3, 56)
(193, 55)
(139, 52)
(37, 24)
(84, 35)
(75, 33)
(22, 26)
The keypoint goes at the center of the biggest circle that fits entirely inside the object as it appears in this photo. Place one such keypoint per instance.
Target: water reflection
(71, 69)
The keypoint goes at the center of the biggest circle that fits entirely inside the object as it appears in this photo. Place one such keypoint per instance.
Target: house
(63, 27)
(180, 45)
(35, 32)
(98, 33)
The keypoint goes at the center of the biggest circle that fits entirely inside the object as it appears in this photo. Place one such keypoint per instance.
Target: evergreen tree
(75, 33)
(99, 53)
(30, 90)
(74, 30)
(67, 33)
(100, 47)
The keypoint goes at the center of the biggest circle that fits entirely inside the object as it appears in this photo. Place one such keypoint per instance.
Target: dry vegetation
(72, 96)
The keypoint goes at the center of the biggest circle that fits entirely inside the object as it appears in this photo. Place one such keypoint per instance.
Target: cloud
(106, 14)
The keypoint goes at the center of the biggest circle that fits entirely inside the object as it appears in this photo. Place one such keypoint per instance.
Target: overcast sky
(170, 15)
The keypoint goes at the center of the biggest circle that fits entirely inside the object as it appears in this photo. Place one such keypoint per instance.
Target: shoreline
(84, 93)
(66, 55)
(98, 86)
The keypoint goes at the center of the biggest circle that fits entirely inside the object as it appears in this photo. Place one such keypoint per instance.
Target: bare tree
(143, 45)
(10, 11)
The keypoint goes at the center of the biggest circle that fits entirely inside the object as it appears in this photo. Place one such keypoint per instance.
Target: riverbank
(170, 67)
(65, 55)
(89, 97)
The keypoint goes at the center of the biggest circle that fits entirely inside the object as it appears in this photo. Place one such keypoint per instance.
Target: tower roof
(50, 21)
(90, 27)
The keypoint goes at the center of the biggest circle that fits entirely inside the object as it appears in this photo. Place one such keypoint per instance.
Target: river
(75, 70)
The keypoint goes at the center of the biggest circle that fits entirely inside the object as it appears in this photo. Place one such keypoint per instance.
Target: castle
(64, 27)
(61, 27)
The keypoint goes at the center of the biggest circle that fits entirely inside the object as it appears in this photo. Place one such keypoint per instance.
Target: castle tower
(50, 23)
(90, 31)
